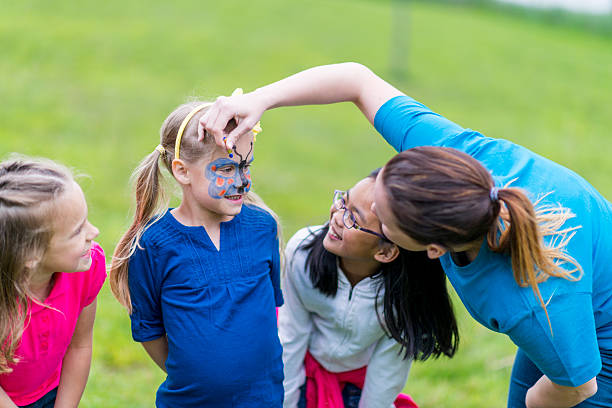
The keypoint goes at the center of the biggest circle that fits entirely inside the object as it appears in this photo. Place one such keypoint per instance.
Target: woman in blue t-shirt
(523, 240)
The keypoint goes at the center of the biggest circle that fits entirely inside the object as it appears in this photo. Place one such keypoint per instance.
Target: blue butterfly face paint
(227, 177)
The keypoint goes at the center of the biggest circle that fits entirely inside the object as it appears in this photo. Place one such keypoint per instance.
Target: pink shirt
(49, 332)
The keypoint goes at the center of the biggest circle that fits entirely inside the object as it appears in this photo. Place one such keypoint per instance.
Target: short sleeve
(569, 355)
(406, 123)
(145, 293)
(275, 270)
(97, 274)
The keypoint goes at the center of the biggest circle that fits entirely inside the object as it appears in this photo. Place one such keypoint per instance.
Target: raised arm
(346, 82)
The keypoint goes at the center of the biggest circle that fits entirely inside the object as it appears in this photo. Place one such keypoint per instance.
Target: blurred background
(89, 83)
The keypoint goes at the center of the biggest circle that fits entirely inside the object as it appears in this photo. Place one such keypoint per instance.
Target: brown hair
(443, 196)
(151, 197)
(28, 190)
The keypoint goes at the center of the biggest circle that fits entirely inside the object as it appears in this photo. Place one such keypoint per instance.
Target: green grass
(89, 84)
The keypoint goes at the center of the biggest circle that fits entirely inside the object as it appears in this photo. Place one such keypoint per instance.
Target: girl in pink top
(51, 271)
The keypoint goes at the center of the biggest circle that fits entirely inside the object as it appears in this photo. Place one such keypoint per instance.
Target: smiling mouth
(333, 235)
(236, 197)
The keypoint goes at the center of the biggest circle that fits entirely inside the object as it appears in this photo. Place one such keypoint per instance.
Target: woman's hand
(244, 109)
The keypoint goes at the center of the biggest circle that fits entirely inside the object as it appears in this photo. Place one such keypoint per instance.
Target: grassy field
(89, 84)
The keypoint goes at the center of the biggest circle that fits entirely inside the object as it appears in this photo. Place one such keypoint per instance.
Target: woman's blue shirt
(580, 311)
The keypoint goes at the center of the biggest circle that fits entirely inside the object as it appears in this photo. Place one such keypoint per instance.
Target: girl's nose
(93, 231)
(336, 216)
(332, 211)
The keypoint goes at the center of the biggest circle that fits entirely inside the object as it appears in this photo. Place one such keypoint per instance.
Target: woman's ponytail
(520, 233)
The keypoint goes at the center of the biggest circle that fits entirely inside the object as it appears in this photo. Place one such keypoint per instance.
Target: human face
(381, 207)
(353, 243)
(219, 183)
(70, 246)
(348, 218)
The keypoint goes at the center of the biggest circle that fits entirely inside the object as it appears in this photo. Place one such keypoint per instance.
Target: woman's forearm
(325, 84)
(319, 85)
(344, 82)
(547, 394)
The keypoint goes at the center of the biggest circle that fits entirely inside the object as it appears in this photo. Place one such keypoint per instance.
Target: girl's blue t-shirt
(580, 311)
(216, 307)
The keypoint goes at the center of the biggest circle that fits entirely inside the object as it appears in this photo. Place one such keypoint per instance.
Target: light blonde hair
(151, 197)
(29, 189)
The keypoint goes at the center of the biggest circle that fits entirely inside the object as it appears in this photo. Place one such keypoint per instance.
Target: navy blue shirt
(580, 311)
(216, 307)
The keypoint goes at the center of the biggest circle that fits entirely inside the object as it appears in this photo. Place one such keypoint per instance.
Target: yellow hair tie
(257, 128)
(179, 135)
(161, 151)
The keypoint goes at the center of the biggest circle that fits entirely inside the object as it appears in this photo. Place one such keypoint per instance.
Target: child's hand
(245, 110)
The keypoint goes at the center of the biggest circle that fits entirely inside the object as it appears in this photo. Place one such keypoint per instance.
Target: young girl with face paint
(358, 309)
(201, 281)
(51, 272)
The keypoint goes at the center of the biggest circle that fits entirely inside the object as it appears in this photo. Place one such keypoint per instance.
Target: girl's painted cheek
(218, 188)
(218, 184)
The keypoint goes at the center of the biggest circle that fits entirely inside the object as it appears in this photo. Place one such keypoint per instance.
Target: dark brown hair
(439, 195)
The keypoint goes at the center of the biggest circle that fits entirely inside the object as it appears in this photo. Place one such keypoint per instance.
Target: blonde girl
(201, 281)
(51, 272)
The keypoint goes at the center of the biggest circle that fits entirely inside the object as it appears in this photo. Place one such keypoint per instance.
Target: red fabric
(324, 388)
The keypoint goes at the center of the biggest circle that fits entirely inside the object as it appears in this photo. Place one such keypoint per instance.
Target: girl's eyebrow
(223, 161)
(353, 208)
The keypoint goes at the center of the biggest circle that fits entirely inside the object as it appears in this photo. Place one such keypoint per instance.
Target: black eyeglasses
(348, 218)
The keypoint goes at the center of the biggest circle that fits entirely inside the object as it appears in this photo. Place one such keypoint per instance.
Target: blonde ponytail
(151, 202)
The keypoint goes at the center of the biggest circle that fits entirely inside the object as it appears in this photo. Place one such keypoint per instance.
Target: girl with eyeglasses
(358, 309)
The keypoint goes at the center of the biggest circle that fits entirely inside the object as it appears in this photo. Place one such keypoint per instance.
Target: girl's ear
(32, 263)
(434, 251)
(386, 253)
(180, 171)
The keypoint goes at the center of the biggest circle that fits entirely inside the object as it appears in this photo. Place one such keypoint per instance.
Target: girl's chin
(84, 265)
(329, 245)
